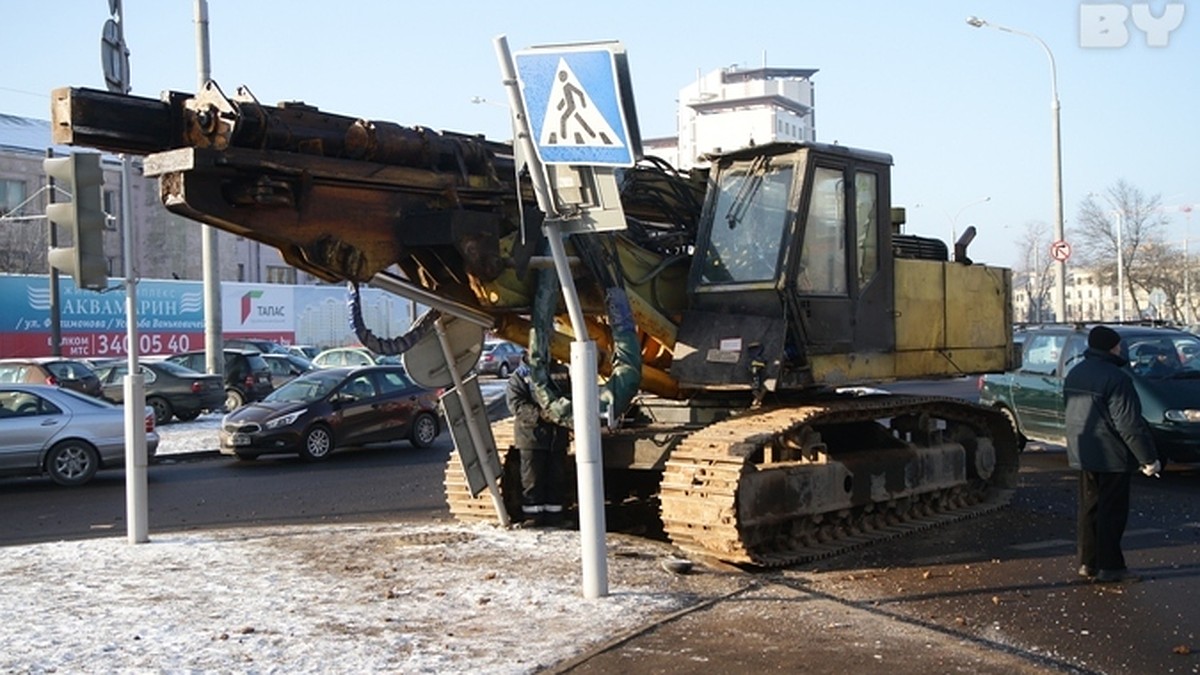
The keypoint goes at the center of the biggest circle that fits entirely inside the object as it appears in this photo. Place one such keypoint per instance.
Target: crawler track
(711, 506)
(722, 499)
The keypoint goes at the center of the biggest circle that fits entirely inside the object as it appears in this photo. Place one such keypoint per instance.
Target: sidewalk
(442, 598)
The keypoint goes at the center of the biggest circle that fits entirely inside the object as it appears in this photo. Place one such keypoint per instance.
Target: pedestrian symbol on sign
(579, 103)
(579, 122)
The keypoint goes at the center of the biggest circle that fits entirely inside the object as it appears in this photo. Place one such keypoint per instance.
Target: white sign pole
(585, 401)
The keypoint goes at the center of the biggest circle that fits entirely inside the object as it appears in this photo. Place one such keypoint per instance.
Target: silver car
(55, 431)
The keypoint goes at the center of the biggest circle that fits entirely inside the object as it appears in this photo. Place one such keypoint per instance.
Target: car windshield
(306, 388)
(1164, 356)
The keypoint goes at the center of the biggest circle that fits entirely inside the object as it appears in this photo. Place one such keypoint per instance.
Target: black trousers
(542, 480)
(1103, 513)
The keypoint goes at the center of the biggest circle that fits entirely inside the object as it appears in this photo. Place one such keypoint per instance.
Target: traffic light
(84, 216)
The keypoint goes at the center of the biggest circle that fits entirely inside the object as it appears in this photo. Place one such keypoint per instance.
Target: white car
(67, 435)
(352, 357)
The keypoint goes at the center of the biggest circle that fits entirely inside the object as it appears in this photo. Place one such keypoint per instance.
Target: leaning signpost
(574, 120)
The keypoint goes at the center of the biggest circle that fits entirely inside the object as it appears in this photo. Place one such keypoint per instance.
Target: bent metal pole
(585, 397)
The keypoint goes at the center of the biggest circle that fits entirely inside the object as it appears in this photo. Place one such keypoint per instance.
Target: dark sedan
(247, 375)
(330, 408)
(500, 358)
(171, 389)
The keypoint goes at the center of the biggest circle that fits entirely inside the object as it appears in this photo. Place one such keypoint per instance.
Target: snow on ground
(437, 598)
(199, 435)
(401, 598)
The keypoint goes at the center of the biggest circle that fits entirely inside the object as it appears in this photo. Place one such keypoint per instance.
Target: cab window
(750, 217)
(866, 232)
(823, 258)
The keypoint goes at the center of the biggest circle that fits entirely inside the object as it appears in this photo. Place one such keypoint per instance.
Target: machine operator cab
(793, 260)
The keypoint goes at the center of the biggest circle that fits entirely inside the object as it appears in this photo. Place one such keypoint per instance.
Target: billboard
(171, 316)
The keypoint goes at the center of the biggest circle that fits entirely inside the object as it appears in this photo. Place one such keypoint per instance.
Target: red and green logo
(248, 303)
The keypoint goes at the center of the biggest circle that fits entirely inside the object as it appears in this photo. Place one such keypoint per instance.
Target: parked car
(52, 370)
(286, 367)
(1165, 370)
(260, 345)
(247, 375)
(352, 356)
(499, 358)
(304, 351)
(172, 390)
(330, 408)
(62, 433)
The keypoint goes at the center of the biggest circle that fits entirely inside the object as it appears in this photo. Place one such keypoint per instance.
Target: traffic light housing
(84, 216)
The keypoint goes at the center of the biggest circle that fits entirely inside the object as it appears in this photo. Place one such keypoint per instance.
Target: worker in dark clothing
(1107, 440)
(543, 448)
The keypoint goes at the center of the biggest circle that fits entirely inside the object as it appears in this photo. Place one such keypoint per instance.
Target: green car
(1165, 363)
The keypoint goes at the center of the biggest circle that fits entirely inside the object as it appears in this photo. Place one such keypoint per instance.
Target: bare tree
(1142, 224)
(23, 246)
(1162, 267)
(1033, 272)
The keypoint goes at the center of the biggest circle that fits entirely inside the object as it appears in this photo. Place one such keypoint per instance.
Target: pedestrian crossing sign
(579, 104)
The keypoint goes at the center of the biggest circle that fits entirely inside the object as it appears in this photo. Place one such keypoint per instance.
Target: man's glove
(1152, 469)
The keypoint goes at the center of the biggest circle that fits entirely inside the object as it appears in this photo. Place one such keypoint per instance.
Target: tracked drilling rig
(735, 316)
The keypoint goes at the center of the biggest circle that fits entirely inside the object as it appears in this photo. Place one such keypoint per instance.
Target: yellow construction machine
(746, 318)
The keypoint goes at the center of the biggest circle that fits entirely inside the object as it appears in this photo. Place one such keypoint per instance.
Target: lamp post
(1120, 267)
(1060, 268)
(1187, 265)
(1120, 214)
(954, 221)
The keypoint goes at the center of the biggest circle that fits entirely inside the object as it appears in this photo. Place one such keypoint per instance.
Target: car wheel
(72, 463)
(245, 457)
(317, 443)
(1012, 419)
(233, 400)
(503, 372)
(162, 410)
(424, 431)
(187, 415)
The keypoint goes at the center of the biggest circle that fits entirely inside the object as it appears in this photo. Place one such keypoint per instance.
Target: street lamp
(954, 221)
(1120, 214)
(1120, 267)
(1060, 269)
(1187, 264)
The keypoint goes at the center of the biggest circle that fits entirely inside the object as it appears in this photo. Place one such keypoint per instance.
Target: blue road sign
(573, 99)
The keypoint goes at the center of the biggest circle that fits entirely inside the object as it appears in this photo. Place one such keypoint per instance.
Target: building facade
(733, 108)
(1090, 297)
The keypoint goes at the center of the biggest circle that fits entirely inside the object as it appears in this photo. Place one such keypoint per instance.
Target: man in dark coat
(543, 448)
(1107, 440)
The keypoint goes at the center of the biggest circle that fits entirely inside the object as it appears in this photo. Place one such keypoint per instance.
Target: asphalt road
(391, 482)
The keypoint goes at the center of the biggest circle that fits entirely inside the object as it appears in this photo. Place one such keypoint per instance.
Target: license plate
(240, 439)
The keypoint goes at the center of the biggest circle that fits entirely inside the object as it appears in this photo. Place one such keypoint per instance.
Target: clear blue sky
(964, 111)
